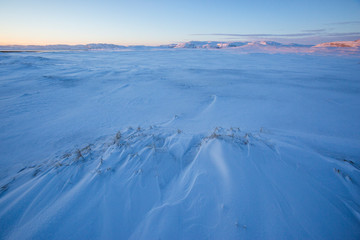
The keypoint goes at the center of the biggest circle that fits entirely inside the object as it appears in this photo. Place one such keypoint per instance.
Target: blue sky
(160, 22)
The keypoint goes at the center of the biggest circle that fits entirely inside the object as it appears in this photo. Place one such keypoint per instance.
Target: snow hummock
(175, 143)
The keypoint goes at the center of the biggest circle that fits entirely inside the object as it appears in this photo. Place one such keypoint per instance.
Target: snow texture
(179, 144)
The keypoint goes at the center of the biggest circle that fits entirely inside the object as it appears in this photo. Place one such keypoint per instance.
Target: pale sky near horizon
(160, 22)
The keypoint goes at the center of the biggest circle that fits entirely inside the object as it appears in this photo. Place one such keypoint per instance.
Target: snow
(179, 144)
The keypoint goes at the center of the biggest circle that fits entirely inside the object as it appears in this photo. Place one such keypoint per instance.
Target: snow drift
(154, 183)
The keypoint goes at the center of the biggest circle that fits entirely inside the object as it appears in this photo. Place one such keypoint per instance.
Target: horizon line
(131, 45)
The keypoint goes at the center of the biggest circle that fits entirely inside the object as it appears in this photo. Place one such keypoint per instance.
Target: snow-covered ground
(179, 144)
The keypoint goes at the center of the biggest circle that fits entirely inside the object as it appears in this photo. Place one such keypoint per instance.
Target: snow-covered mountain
(208, 44)
(92, 46)
(190, 44)
(340, 44)
(215, 44)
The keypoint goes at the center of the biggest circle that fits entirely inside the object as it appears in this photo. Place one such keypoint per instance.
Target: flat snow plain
(179, 144)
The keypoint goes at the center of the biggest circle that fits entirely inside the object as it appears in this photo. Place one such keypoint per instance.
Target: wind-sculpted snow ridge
(158, 183)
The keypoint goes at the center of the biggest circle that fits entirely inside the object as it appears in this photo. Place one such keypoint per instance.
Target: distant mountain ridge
(214, 44)
(190, 44)
(245, 46)
(92, 46)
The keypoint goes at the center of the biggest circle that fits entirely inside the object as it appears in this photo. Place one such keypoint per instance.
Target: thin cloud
(254, 35)
(305, 33)
(309, 37)
(342, 34)
(344, 23)
(315, 30)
